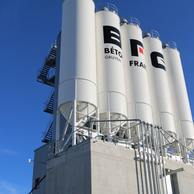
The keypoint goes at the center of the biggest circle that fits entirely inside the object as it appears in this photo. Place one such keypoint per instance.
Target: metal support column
(151, 140)
(144, 161)
(158, 148)
(139, 151)
(148, 158)
(164, 172)
(88, 112)
(57, 131)
(109, 126)
(74, 124)
(98, 124)
(156, 159)
(129, 135)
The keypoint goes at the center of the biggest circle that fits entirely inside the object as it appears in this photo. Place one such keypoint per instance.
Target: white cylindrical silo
(136, 81)
(158, 82)
(77, 74)
(178, 91)
(110, 74)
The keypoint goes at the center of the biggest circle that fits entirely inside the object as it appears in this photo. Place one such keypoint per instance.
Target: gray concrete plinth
(104, 168)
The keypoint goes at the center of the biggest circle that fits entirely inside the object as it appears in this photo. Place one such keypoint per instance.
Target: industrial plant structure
(121, 120)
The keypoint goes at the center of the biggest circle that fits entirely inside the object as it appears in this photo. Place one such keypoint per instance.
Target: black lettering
(134, 48)
(154, 58)
(112, 50)
(106, 50)
(136, 63)
(120, 54)
(111, 35)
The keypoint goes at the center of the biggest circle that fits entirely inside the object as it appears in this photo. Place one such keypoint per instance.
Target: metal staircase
(46, 73)
(47, 134)
(49, 104)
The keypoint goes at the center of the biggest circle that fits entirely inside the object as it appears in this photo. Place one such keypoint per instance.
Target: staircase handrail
(48, 99)
(51, 74)
(47, 127)
(152, 33)
(53, 45)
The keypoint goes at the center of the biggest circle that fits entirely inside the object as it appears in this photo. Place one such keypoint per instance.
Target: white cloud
(7, 188)
(7, 151)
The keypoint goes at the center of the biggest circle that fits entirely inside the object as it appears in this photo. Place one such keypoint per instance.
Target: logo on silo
(136, 47)
(136, 50)
(112, 36)
(157, 60)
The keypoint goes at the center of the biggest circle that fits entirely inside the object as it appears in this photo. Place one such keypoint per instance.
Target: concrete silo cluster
(114, 85)
(110, 70)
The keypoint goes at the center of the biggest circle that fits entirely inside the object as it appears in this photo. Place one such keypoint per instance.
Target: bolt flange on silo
(158, 82)
(179, 96)
(77, 75)
(110, 74)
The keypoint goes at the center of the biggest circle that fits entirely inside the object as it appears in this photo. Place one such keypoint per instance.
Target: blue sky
(27, 28)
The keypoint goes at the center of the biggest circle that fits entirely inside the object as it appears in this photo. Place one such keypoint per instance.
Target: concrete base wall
(70, 172)
(113, 169)
(103, 168)
(184, 181)
(39, 171)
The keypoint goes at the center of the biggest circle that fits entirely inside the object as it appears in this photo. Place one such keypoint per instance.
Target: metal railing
(48, 99)
(51, 74)
(47, 127)
(170, 44)
(129, 20)
(62, 144)
(151, 144)
(134, 133)
(53, 45)
(106, 7)
(151, 33)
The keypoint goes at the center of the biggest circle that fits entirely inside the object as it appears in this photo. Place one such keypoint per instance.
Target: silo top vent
(104, 9)
(151, 33)
(165, 45)
(146, 35)
(169, 44)
(129, 20)
(123, 21)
